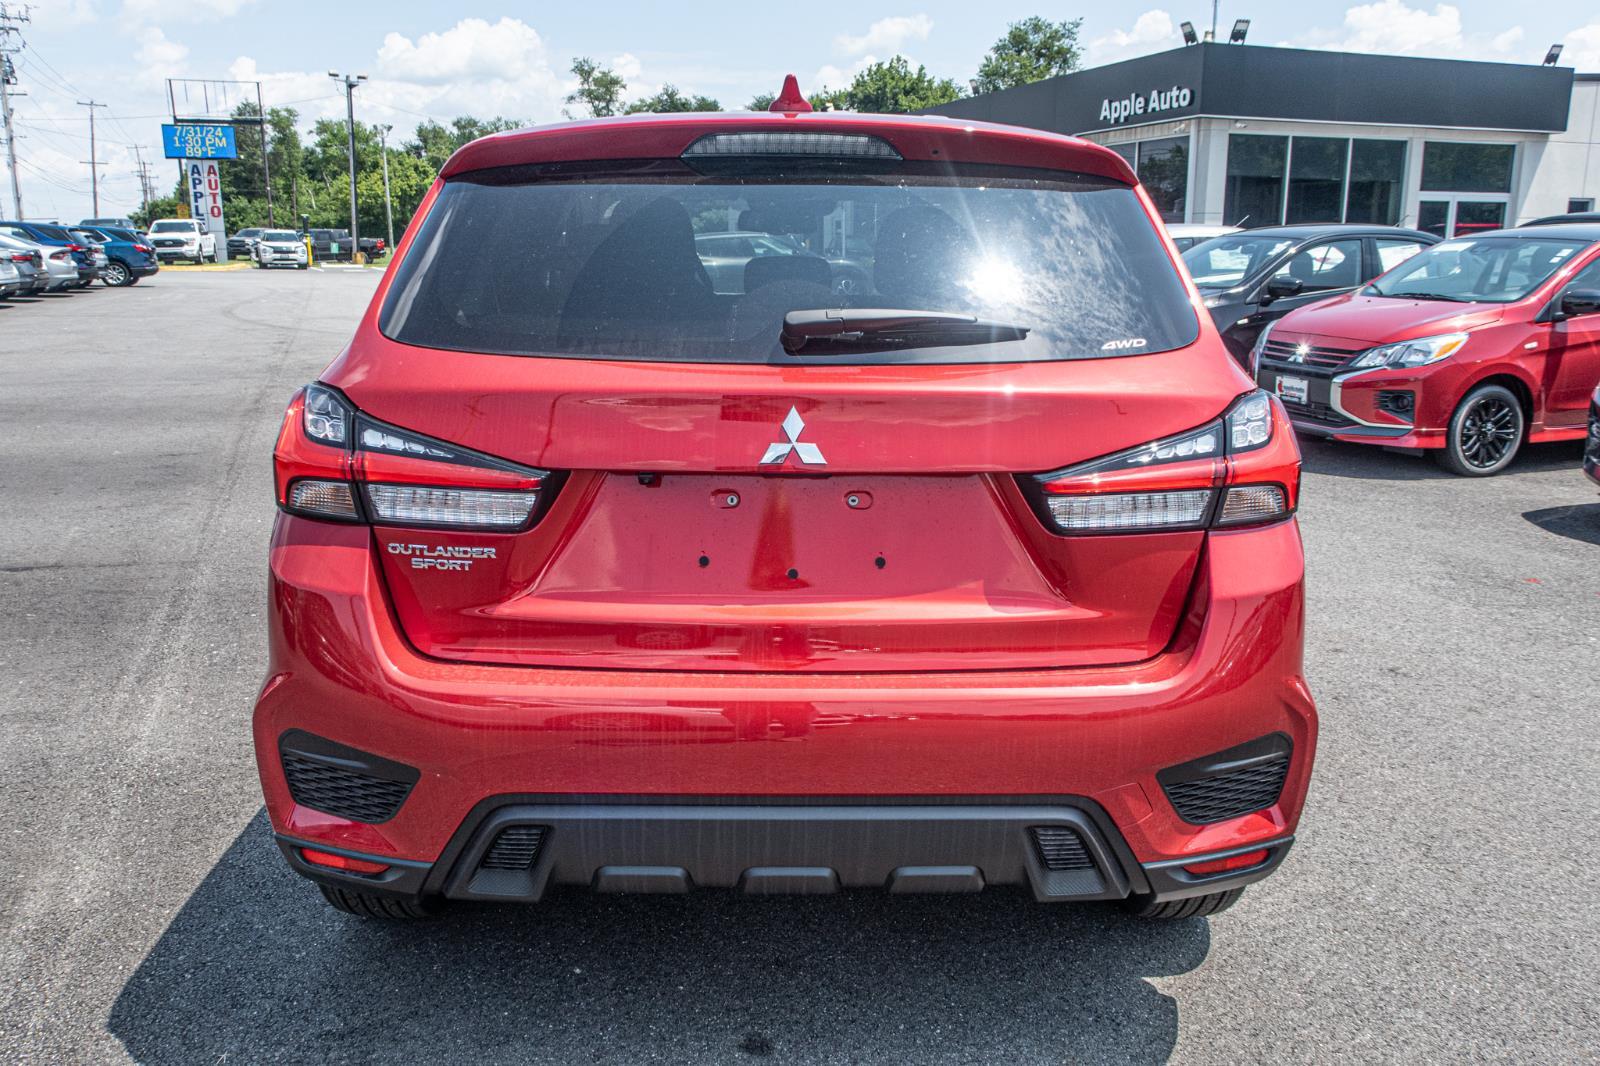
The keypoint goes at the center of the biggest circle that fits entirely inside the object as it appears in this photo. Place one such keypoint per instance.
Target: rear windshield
(54, 233)
(1478, 269)
(661, 262)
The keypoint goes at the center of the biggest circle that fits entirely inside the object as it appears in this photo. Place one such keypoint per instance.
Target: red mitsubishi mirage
(613, 571)
(1468, 349)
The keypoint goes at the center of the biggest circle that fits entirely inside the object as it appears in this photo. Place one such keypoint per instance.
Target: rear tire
(370, 905)
(1174, 909)
(1485, 433)
(117, 275)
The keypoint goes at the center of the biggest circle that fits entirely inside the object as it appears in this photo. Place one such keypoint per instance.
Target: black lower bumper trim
(780, 847)
(766, 848)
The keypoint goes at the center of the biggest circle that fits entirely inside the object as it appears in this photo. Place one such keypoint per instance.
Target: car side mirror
(1281, 287)
(1575, 302)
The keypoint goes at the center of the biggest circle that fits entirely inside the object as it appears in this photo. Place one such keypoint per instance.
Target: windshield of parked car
(661, 262)
(176, 225)
(280, 236)
(1223, 262)
(1477, 269)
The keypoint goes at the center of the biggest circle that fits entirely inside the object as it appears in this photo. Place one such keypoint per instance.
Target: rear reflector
(1251, 504)
(1131, 510)
(341, 862)
(327, 499)
(1232, 862)
(436, 506)
(834, 145)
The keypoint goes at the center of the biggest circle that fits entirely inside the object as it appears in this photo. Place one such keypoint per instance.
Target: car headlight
(1419, 352)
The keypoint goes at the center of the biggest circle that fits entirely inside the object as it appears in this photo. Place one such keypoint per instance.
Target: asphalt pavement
(1436, 906)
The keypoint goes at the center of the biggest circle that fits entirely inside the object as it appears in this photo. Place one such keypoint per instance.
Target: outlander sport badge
(778, 453)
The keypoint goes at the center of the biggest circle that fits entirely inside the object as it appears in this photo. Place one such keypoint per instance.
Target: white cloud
(157, 53)
(886, 35)
(66, 14)
(829, 76)
(627, 65)
(1581, 48)
(1153, 31)
(1392, 27)
(472, 49)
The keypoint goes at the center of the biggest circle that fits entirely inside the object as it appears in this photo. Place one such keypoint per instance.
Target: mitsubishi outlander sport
(603, 572)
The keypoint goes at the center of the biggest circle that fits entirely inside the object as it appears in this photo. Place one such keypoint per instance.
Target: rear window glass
(661, 262)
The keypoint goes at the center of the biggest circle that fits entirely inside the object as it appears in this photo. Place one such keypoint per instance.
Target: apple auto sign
(1156, 101)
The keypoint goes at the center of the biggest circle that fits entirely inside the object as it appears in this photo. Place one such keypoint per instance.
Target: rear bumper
(484, 737)
(768, 848)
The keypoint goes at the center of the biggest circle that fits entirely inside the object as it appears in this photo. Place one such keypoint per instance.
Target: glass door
(1461, 216)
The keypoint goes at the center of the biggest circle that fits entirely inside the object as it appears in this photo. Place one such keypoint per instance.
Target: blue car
(130, 256)
(51, 234)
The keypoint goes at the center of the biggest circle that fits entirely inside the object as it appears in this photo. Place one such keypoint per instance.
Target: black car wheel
(1485, 433)
(117, 274)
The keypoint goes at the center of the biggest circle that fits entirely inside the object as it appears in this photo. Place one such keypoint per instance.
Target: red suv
(1469, 349)
(599, 572)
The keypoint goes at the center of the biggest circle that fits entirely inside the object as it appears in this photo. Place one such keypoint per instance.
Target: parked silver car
(28, 260)
(60, 271)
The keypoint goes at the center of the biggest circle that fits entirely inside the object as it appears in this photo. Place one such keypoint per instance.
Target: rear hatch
(720, 491)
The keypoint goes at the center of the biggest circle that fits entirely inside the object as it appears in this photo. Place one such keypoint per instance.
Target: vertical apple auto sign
(778, 453)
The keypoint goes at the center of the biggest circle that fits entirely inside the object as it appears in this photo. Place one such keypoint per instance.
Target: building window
(1377, 175)
(1129, 154)
(1316, 179)
(1584, 203)
(1254, 195)
(1164, 172)
(1453, 167)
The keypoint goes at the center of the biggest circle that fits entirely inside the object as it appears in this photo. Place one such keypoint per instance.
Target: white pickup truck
(183, 238)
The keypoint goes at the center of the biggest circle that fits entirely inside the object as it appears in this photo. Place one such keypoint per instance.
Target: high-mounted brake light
(778, 144)
(1240, 470)
(336, 463)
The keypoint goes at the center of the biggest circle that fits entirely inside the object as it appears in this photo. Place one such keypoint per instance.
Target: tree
(599, 88)
(1031, 50)
(436, 142)
(668, 101)
(761, 102)
(889, 87)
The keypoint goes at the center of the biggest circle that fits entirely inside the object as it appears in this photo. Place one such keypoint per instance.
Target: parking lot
(1436, 905)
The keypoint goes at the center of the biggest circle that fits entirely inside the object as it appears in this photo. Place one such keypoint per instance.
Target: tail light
(76, 248)
(336, 463)
(22, 257)
(145, 248)
(1241, 470)
(63, 254)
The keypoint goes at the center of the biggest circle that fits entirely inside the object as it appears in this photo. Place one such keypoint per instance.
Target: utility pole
(9, 23)
(266, 165)
(350, 82)
(388, 209)
(144, 178)
(94, 158)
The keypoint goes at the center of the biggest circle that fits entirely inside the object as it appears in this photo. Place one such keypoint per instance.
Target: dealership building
(1240, 135)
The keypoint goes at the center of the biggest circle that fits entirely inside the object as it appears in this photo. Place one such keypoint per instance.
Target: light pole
(388, 210)
(350, 82)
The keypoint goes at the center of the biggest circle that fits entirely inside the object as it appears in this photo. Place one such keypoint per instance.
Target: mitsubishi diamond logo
(1300, 352)
(778, 453)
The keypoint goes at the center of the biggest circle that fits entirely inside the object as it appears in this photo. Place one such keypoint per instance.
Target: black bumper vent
(516, 848)
(1061, 848)
(343, 781)
(1230, 783)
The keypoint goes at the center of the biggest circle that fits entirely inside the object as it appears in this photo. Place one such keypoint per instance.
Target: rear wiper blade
(888, 325)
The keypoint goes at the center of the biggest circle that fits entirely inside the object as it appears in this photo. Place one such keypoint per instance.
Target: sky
(430, 60)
